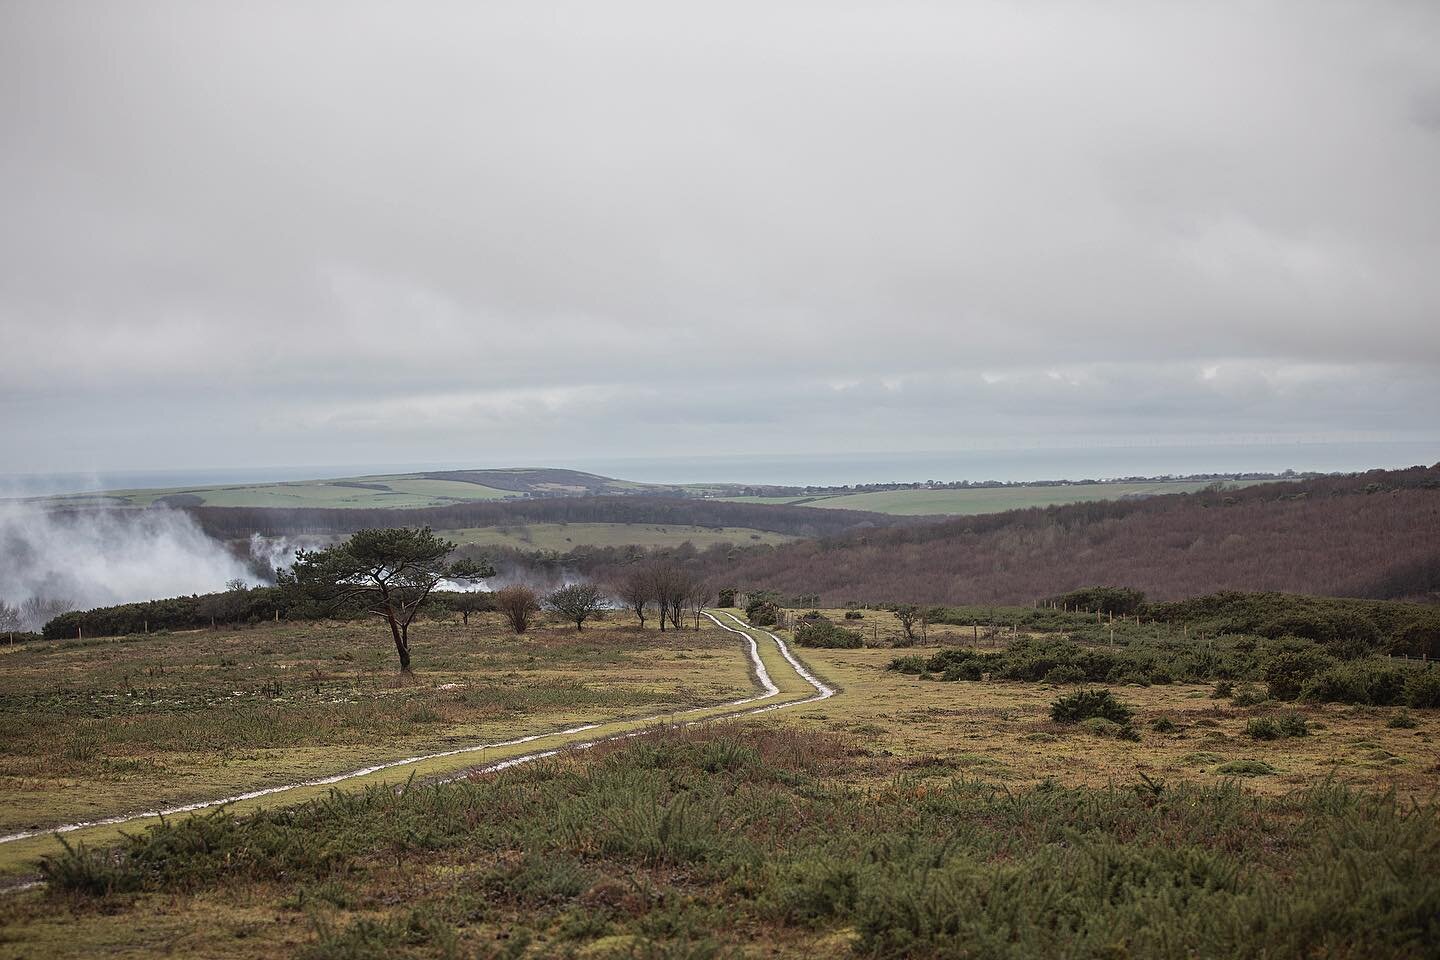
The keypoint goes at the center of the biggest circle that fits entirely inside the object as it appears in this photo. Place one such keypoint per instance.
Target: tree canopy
(389, 573)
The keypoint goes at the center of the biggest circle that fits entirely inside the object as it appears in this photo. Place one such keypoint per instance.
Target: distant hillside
(411, 490)
(229, 523)
(439, 488)
(975, 500)
(1370, 535)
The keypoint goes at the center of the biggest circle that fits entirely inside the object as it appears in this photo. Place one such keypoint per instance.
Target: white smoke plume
(83, 559)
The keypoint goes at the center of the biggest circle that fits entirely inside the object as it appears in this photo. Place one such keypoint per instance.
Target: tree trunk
(401, 633)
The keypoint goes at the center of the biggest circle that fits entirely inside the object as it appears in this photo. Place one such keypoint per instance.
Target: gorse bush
(1401, 720)
(1422, 689)
(1370, 681)
(1290, 667)
(819, 631)
(1274, 728)
(1084, 704)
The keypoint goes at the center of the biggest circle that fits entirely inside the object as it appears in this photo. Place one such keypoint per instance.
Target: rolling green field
(426, 489)
(986, 499)
(382, 491)
(567, 536)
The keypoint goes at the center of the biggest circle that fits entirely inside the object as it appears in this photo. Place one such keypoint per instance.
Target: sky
(265, 234)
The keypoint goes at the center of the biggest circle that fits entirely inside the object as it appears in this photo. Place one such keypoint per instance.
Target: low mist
(53, 562)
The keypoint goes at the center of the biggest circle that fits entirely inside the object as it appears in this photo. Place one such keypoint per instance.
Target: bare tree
(9, 619)
(636, 590)
(39, 610)
(908, 614)
(698, 598)
(578, 602)
(518, 604)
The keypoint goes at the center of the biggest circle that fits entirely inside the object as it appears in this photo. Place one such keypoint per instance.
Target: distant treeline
(249, 606)
(781, 490)
(1373, 535)
(230, 523)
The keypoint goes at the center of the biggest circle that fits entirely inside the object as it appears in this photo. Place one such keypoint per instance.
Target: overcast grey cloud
(492, 232)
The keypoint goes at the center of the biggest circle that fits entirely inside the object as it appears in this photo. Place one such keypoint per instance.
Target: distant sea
(1070, 463)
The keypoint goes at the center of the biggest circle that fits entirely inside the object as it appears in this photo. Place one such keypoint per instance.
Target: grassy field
(390, 490)
(567, 536)
(984, 499)
(396, 491)
(905, 817)
(106, 726)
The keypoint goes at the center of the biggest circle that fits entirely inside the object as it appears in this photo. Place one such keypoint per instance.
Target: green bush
(1065, 673)
(818, 631)
(762, 612)
(910, 664)
(1245, 768)
(1291, 666)
(1374, 682)
(1274, 728)
(1248, 696)
(1401, 720)
(1164, 725)
(1423, 688)
(1224, 690)
(1084, 704)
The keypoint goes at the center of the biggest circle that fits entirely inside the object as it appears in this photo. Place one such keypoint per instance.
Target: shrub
(1290, 667)
(1364, 681)
(1247, 696)
(1084, 704)
(762, 612)
(1164, 725)
(1293, 725)
(1401, 720)
(854, 615)
(1223, 690)
(910, 664)
(817, 631)
(1263, 728)
(1423, 688)
(1245, 768)
(1065, 673)
(1274, 728)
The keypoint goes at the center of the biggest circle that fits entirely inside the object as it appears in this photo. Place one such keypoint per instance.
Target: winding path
(729, 710)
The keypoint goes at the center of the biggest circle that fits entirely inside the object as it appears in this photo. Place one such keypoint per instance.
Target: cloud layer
(264, 233)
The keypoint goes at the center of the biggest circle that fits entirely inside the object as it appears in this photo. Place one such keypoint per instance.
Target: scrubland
(908, 816)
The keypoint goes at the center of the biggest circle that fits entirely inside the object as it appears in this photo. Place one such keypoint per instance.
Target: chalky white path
(726, 710)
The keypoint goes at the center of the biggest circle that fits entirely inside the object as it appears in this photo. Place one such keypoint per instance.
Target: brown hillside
(1369, 535)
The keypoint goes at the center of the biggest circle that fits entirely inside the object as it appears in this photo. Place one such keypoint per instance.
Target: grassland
(980, 500)
(905, 817)
(348, 492)
(568, 536)
(108, 726)
(430, 489)
(1002, 731)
